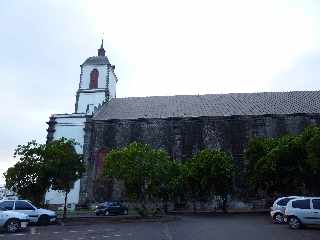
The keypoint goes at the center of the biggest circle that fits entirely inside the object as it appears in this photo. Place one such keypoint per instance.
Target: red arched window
(99, 159)
(94, 79)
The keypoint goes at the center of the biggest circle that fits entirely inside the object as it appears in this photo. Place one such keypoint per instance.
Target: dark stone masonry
(183, 127)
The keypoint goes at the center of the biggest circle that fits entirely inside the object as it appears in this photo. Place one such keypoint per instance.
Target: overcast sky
(159, 48)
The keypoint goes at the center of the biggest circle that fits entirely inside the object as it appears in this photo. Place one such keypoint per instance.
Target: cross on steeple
(101, 51)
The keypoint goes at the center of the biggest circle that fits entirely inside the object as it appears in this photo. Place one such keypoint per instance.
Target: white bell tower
(97, 83)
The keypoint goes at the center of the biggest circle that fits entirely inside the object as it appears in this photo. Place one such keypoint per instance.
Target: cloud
(159, 48)
(304, 74)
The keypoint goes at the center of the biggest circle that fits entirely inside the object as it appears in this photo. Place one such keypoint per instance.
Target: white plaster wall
(57, 197)
(69, 126)
(94, 98)
(112, 84)
(85, 76)
(72, 125)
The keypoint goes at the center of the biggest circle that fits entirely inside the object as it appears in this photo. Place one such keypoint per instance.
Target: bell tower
(97, 83)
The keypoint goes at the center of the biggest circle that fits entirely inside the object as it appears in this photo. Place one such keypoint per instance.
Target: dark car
(108, 208)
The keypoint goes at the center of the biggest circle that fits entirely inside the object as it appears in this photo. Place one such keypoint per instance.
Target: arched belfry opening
(94, 75)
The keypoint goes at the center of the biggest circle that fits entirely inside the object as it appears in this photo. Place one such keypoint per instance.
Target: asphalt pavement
(220, 227)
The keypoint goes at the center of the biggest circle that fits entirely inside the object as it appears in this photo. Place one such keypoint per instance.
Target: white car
(12, 221)
(36, 215)
(301, 212)
(278, 208)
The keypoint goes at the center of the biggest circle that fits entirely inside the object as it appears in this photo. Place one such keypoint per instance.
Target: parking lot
(240, 227)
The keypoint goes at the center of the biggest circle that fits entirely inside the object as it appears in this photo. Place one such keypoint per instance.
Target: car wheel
(294, 223)
(98, 214)
(278, 218)
(12, 226)
(106, 213)
(43, 220)
(125, 212)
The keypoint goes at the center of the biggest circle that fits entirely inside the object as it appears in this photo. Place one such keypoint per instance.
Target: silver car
(12, 221)
(301, 212)
(36, 215)
(278, 208)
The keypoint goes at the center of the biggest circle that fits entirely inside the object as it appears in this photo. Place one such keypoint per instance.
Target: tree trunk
(224, 204)
(65, 205)
(165, 207)
(194, 205)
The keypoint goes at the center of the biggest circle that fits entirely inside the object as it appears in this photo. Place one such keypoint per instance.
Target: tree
(64, 166)
(173, 189)
(40, 166)
(209, 173)
(280, 168)
(258, 148)
(289, 165)
(312, 172)
(145, 172)
(28, 177)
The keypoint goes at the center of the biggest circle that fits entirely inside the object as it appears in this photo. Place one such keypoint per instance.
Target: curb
(94, 220)
(171, 216)
(220, 213)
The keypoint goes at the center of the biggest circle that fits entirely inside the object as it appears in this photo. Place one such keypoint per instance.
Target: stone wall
(182, 137)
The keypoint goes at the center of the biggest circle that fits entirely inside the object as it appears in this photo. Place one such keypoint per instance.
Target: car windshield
(284, 201)
(32, 204)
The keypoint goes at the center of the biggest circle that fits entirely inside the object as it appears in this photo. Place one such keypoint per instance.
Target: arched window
(99, 158)
(94, 78)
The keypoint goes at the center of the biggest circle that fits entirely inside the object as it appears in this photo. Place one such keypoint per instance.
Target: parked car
(300, 212)
(36, 215)
(278, 208)
(12, 221)
(108, 208)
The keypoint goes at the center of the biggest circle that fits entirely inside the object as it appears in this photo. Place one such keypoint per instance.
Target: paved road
(240, 227)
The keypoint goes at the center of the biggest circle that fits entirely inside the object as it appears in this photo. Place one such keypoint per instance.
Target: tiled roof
(211, 105)
(97, 60)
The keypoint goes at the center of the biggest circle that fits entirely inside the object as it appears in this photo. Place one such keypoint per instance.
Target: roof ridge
(222, 94)
(96, 60)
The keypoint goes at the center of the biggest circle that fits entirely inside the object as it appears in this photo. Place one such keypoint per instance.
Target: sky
(167, 47)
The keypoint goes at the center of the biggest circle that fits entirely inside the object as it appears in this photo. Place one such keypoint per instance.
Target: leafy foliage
(28, 177)
(286, 165)
(313, 161)
(64, 166)
(43, 165)
(147, 173)
(209, 173)
(257, 148)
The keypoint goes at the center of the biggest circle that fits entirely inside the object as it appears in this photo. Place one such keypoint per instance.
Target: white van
(300, 212)
(278, 208)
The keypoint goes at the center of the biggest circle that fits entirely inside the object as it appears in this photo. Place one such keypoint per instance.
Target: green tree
(280, 168)
(258, 148)
(64, 166)
(40, 166)
(173, 189)
(286, 165)
(145, 172)
(312, 172)
(209, 173)
(28, 177)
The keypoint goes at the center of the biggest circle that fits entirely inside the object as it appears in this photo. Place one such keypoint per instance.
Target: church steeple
(101, 51)
(97, 83)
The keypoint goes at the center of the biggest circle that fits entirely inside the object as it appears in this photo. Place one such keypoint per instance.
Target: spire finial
(101, 51)
(101, 43)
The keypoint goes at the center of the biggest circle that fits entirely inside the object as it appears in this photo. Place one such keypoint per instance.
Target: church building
(182, 125)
